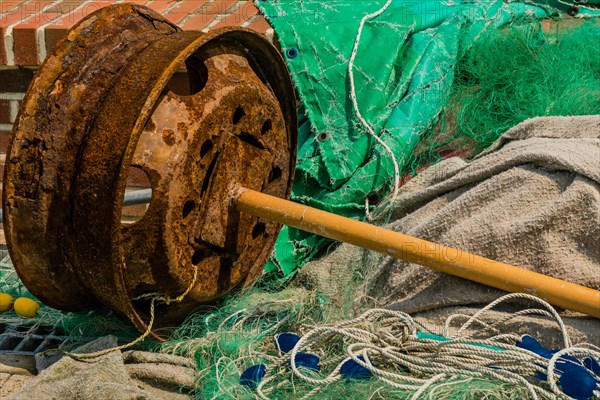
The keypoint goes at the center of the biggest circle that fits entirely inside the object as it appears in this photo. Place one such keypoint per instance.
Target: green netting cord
(429, 75)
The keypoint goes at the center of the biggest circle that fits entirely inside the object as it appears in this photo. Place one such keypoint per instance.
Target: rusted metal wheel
(102, 103)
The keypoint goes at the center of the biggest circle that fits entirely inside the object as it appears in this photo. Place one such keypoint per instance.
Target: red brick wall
(29, 29)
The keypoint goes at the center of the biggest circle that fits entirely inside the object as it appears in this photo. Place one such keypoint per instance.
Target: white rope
(524, 296)
(359, 115)
(385, 342)
(427, 385)
(152, 297)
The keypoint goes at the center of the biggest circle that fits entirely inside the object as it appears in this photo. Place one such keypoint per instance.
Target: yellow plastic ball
(5, 302)
(25, 307)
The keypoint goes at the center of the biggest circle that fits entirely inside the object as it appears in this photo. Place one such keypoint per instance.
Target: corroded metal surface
(62, 100)
(102, 103)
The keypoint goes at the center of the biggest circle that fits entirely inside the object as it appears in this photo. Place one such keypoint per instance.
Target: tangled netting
(512, 75)
(76, 327)
(522, 70)
(406, 359)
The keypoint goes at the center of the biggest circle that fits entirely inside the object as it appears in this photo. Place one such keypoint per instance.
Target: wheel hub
(102, 103)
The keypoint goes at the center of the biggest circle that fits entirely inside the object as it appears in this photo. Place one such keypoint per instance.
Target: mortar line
(14, 110)
(197, 12)
(8, 35)
(41, 31)
(12, 96)
(10, 10)
(228, 12)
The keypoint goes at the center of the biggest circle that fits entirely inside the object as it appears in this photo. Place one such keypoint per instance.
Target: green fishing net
(76, 327)
(241, 333)
(411, 62)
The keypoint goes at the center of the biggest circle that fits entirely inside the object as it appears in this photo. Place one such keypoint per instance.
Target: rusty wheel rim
(236, 127)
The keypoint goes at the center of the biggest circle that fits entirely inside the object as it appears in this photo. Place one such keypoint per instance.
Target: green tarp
(403, 70)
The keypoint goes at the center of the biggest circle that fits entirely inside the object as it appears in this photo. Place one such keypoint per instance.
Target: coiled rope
(387, 343)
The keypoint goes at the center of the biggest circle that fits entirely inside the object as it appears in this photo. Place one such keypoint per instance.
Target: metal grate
(20, 343)
(27, 341)
(4, 256)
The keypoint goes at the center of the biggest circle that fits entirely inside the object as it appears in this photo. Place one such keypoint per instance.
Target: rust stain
(101, 104)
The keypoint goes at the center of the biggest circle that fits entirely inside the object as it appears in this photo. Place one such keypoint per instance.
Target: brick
(55, 13)
(183, 9)
(239, 16)
(32, 9)
(260, 25)
(65, 7)
(139, 2)
(219, 7)
(26, 17)
(4, 111)
(26, 12)
(138, 178)
(6, 21)
(26, 41)
(90, 8)
(160, 6)
(4, 135)
(15, 80)
(8, 5)
(199, 22)
(188, 7)
(58, 29)
(208, 15)
(131, 214)
(25, 9)
(55, 32)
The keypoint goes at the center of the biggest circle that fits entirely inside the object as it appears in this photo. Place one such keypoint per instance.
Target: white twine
(524, 296)
(362, 120)
(386, 343)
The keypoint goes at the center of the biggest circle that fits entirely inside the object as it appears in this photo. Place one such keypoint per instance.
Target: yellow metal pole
(445, 259)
